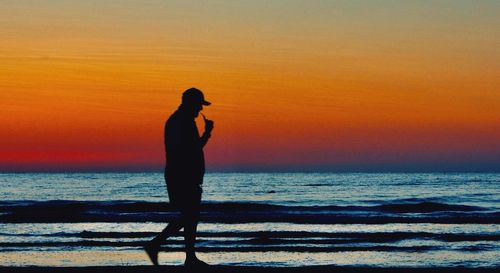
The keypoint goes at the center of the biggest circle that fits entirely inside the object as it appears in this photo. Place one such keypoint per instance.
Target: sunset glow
(295, 85)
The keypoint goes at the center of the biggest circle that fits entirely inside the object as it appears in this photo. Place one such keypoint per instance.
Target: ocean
(255, 219)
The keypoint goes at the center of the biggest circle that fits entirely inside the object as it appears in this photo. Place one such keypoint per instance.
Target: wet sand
(239, 269)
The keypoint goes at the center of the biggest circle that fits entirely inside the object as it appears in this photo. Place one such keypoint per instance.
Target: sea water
(263, 219)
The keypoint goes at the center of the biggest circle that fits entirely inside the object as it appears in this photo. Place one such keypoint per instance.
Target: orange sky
(295, 85)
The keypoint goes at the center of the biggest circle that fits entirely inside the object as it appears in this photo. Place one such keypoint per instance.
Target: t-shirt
(183, 150)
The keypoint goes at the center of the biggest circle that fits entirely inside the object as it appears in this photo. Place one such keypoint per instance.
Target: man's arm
(209, 126)
(204, 138)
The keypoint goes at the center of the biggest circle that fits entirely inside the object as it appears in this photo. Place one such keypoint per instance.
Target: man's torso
(185, 163)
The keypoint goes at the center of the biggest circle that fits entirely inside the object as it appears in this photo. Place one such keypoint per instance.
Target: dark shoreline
(239, 269)
(73, 211)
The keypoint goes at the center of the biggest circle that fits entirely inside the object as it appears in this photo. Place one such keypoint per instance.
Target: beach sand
(239, 269)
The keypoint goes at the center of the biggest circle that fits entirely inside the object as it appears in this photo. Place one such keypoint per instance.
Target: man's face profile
(197, 109)
(194, 109)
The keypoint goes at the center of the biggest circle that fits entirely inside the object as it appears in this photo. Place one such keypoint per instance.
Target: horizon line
(253, 171)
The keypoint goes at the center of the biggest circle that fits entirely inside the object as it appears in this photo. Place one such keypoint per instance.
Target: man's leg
(190, 225)
(153, 247)
(171, 229)
(190, 215)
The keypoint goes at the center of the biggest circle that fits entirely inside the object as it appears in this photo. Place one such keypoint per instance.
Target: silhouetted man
(184, 173)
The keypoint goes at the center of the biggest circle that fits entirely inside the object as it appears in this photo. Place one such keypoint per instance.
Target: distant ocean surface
(256, 219)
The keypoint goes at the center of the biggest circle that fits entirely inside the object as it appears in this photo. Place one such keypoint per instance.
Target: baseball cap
(194, 96)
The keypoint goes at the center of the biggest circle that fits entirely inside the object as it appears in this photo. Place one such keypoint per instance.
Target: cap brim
(206, 103)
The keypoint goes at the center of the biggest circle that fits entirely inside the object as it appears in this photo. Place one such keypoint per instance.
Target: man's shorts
(187, 199)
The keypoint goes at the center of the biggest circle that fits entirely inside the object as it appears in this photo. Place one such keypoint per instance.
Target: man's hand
(209, 124)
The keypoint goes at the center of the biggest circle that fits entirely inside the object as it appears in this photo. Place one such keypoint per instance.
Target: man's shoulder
(176, 121)
(173, 117)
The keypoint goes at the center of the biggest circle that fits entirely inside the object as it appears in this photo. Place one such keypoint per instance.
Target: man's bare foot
(195, 263)
(152, 251)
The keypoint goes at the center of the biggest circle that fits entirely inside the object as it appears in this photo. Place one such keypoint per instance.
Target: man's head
(193, 100)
